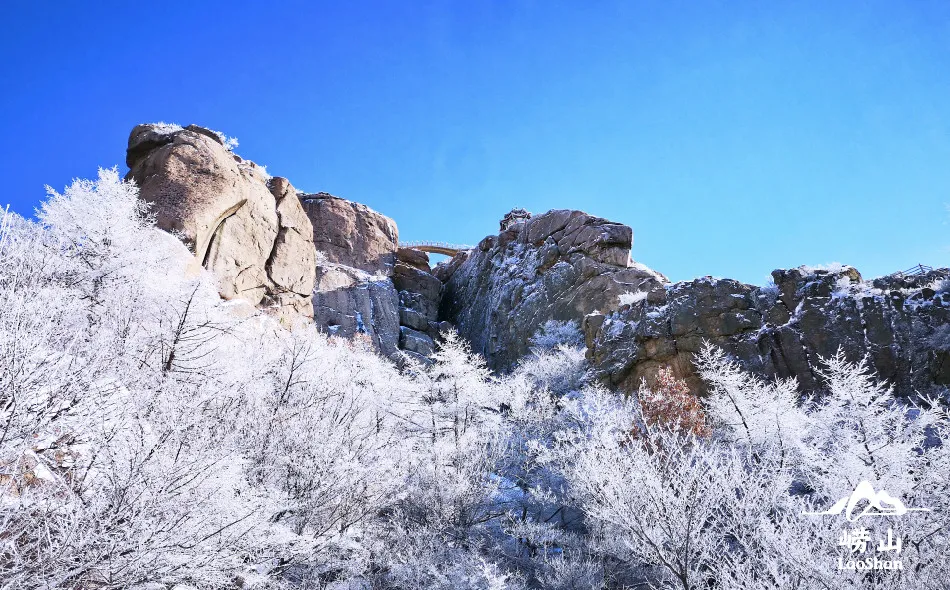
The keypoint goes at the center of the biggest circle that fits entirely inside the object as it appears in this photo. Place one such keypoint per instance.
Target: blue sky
(734, 137)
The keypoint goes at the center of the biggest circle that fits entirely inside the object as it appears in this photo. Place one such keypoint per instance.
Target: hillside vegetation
(153, 435)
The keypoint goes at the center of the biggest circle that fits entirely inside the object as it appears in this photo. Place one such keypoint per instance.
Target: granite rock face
(302, 256)
(902, 325)
(420, 294)
(560, 265)
(356, 249)
(348, 302)
(237, 221)
(352, 234)
(397, 312)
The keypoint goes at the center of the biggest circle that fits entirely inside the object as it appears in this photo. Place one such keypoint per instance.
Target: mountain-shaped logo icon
(877, 504)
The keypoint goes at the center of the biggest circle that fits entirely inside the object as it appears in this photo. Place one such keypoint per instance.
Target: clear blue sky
(734, 137)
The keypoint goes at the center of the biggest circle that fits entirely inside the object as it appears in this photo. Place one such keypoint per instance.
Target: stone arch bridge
(436, 247)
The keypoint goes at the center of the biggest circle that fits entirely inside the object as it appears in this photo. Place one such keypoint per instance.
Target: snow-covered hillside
(155, 436)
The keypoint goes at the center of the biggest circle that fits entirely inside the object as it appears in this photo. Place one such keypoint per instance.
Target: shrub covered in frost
(150, 438)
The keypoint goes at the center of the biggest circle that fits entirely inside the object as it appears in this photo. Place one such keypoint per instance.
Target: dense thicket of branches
(150, 437)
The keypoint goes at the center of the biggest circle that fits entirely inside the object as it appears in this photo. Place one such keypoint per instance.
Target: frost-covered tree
(729, 510)
(150, 435)
(152, 438)
(112, 474)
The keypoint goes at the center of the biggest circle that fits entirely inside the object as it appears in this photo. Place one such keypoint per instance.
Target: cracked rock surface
(902, 326)
(312, 257)
(560, 265)
(246, 228)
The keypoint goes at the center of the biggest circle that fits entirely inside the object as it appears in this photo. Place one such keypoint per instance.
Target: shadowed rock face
(901, 325)
(356, 251)
(348, 301)
(559, 265)
(241, 225)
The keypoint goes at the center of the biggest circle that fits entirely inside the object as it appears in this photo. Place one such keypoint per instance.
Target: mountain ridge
(337, 263)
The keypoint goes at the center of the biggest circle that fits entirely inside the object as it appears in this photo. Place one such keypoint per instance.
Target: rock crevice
(311, 257)
(420, 294)
(223, 208)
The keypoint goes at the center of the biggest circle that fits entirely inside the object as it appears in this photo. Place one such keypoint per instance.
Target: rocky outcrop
(303, 256)
(320, 257)
(420, 294)
(356, 251)
(352, 234)
(350, 302)
(560, 265)
(900, 324)
(567, 265)
(240, 224)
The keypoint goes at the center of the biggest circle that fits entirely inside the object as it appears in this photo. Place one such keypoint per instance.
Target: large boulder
(783, 330)
(560, 265)
(248, 230)
(415, 258)
(351, 233)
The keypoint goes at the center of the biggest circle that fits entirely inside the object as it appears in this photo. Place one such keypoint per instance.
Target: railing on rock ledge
(436, 247)
(913, 271)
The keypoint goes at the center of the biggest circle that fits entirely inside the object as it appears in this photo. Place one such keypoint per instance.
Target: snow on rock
(781, 330)
(295, 255)
(559, 265)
